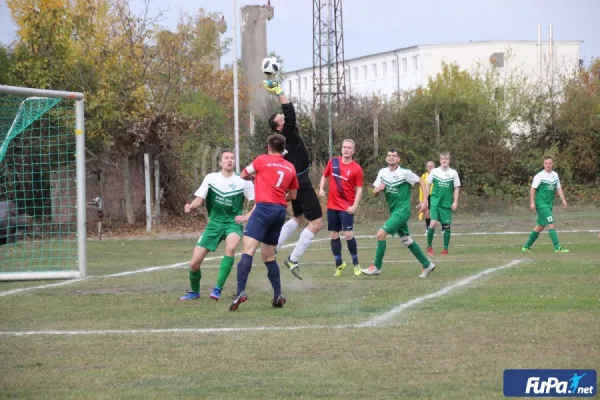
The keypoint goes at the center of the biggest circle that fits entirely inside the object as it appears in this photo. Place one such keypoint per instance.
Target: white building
(407, 68)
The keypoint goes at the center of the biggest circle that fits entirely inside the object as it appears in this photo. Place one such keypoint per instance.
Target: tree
(6, 59)
(578, 122)
(40, 57)
(98, 47)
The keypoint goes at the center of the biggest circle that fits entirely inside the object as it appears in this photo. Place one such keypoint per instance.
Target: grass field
(449, 336)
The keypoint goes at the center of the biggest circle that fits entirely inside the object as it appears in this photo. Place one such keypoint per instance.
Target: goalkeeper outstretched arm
(287, 107)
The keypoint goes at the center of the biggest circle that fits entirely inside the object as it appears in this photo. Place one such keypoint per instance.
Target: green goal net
(40, 221)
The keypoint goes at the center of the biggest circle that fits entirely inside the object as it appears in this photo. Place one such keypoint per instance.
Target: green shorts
(215, 232)
(544, 216)
(441, 214)
(397, 224)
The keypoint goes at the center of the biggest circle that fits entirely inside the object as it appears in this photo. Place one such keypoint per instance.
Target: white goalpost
(42, 184)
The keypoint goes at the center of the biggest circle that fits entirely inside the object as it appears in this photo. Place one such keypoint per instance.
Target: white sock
(305, 238)
(286, 230)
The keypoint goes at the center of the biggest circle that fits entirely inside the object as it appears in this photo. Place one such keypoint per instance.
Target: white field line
(460, 245)
(125, 273)
(413, 261)
(373, 322)
(179, 264)
(380, 319)
(178, 330)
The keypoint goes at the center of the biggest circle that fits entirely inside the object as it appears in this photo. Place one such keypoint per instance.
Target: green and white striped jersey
(545, 184)
(225, 196)
(398, 187)
(444, 181)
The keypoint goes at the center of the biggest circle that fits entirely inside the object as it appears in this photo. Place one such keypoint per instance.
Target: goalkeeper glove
(273, 87)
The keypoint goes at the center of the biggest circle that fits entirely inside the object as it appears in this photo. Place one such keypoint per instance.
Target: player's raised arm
(289, 113)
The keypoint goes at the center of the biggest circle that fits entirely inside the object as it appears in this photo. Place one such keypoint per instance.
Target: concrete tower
(254, 49)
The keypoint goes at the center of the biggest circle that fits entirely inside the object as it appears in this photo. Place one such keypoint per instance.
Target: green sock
(195, 277)
(381, 244)
(532, 238)
(415, 249)
(224, 270)
(447, 234)
(430, 233)
(554, 238)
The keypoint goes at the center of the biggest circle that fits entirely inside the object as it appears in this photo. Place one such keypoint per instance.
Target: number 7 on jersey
(281, 175)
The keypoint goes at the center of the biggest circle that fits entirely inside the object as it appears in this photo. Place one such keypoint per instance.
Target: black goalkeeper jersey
(294, 145)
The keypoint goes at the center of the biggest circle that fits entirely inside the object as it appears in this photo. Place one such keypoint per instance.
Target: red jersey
(343, 182)
(274, 177)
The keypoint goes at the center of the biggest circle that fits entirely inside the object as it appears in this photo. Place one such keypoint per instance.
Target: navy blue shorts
(265, 223)
(339, 221)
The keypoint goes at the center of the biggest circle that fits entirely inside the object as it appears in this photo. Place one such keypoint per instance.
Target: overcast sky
(372, 26)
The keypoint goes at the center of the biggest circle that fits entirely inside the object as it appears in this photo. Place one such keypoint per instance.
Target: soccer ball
(270, 66)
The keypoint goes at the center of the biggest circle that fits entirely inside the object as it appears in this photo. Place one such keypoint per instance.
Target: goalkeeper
(307, 203)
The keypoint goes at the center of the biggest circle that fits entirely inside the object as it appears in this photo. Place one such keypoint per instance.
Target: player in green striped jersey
(543, 188)
(444, 200)
(224, 193)
(397, 182)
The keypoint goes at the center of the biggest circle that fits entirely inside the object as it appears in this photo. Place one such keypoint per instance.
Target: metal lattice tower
(328, 52)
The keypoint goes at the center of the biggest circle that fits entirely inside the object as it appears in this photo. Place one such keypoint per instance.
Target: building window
(384, 69)
(415, 63)
(404, 65)
(365, 76)
(299, 89)
(374, 68)
(355, 73)
(290, 86)
(305, 83)
(394, 67)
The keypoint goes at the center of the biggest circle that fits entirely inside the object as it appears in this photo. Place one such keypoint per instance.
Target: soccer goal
(42, 184)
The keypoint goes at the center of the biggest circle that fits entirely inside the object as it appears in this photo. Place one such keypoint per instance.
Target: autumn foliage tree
(135, 74)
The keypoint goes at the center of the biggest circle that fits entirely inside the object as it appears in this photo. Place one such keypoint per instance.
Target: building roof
(478, 42)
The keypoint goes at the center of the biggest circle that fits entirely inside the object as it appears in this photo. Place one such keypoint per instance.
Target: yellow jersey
(424, 177)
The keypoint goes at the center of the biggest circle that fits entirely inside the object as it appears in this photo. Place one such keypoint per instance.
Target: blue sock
(353, 249)
(273, 274)
(336, 249)
(243, 270)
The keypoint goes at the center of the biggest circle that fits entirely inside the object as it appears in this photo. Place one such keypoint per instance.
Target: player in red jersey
(275, 184)
(345, 191)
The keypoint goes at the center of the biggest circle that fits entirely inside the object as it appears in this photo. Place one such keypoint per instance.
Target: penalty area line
(400, 308)
(370, 323)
